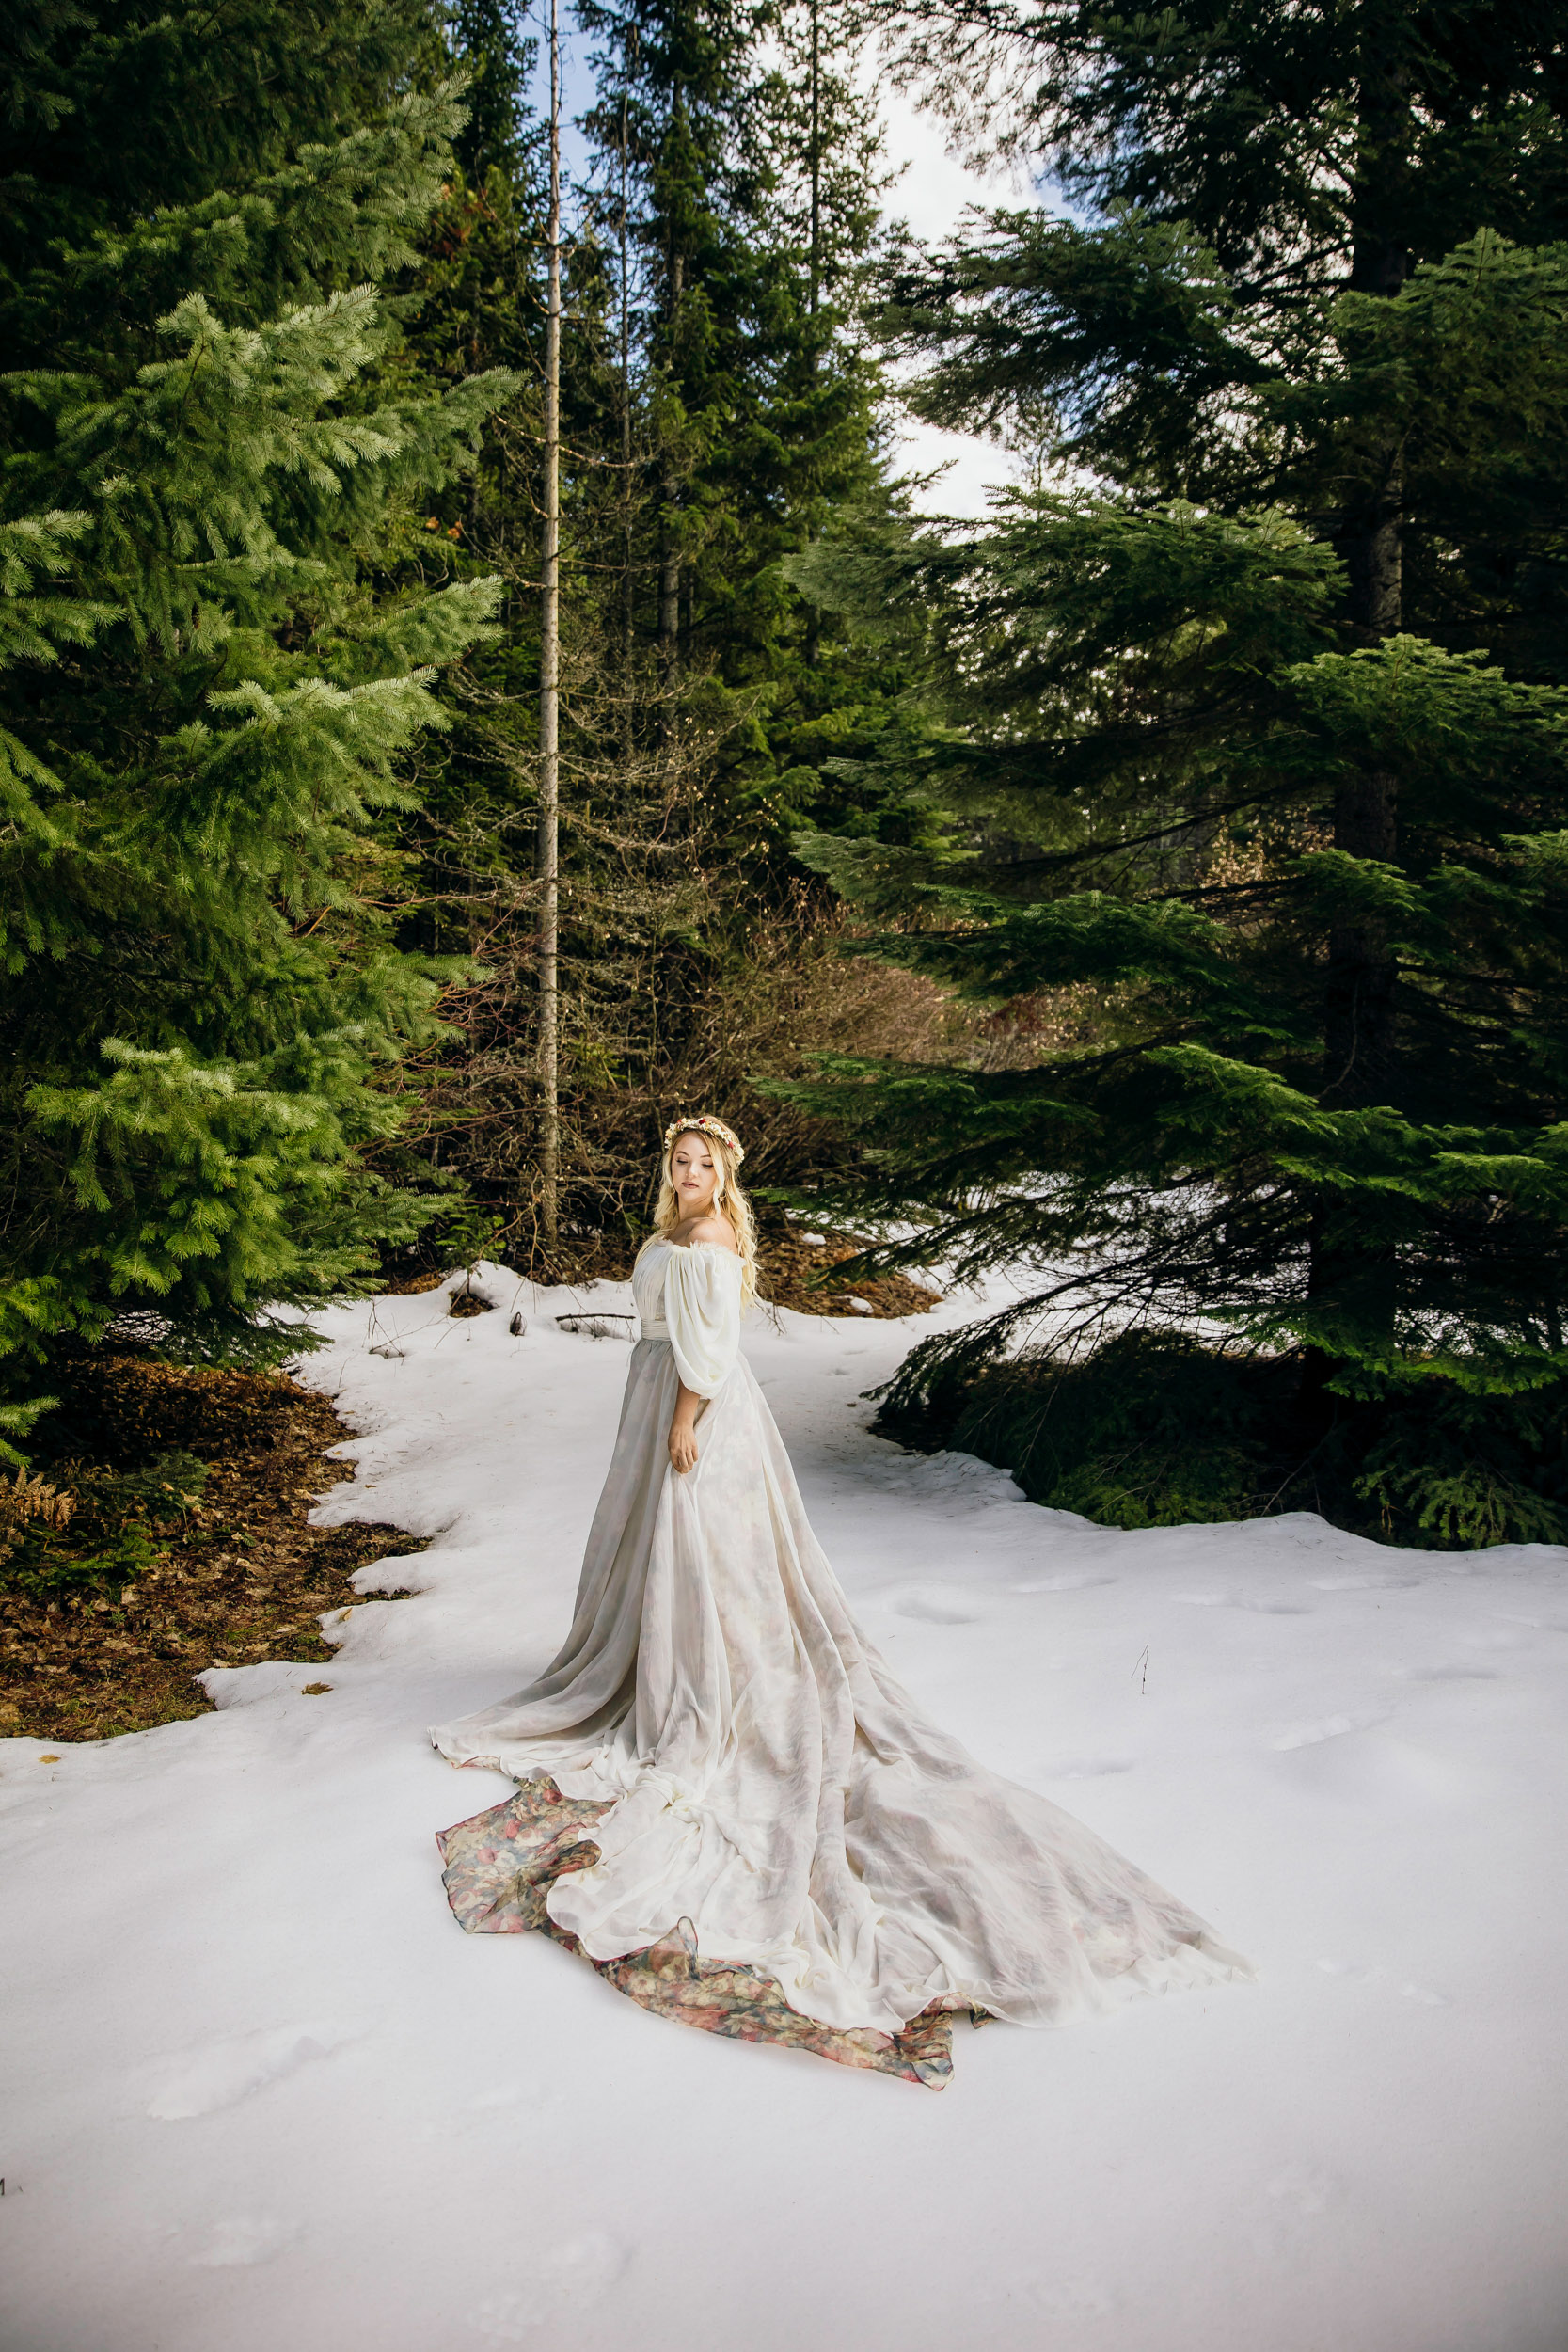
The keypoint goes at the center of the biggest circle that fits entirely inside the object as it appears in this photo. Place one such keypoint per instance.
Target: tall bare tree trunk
(549, 701)
(669, 533)
(814, 626)
(627, 584)
(668, 586)
(668, 541)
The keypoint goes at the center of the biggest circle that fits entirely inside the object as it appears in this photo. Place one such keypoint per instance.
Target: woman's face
(693, 1174)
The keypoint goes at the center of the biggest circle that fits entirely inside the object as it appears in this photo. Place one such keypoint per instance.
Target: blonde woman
(768, 1782)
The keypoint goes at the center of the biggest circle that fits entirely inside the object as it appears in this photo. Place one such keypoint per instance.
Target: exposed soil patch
(189, 1546)
(793, 1272)
(797, 1273)
(187, 1543)
(465, 1301)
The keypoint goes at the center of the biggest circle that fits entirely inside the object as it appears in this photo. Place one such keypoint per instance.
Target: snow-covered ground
(263, 2095)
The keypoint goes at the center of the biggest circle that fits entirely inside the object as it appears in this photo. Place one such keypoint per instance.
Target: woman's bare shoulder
(716, 1233)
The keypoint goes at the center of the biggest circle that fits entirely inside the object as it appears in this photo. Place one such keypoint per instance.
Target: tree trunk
(814, 624)
(627, 580)
(1360, 998)
(815, 159)
(1359, 1011)
(669, 586)
(1361, 1045)
(668, 540)
(549, 701)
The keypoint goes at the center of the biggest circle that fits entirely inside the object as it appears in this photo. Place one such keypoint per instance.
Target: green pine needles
(1252, 757)
(217, 654)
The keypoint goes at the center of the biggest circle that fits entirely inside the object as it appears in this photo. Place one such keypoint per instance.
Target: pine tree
(688, 944)
(1256, 749)
(218, 651)
(756, 187)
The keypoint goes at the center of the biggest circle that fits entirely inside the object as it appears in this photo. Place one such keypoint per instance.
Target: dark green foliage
(1152, 1430)
(753, 192)
(717, 403)
(1448, 1466)
(1155, 1429)
(1251, 760)
(111, 1537)
(485, 37)
(1197, 1146)
(216, 661)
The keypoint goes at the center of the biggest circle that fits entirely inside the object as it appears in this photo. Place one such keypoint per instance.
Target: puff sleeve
(701, 1306)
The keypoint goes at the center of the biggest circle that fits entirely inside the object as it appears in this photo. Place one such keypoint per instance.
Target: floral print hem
(500, 1867)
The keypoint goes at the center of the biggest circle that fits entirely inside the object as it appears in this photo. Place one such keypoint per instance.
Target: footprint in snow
(1354, 1972)
(1326, 1727)
(1377, 1772)
(932, 1605)
(242, 2240)
(1088, 1767)
(1452, 1674)
(225, 2073)
(496, 2095)
(570, 2276)
(1053, 2299)
(1070, 2298)
(1080, 1580)
(1365, 1584)
(1293, 2208)
(1258, 1607)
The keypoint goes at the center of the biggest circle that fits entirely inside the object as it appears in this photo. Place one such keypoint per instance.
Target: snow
(261, 2091)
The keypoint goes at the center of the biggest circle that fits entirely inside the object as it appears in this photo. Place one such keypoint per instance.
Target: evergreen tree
(754, 207)
(698, 715)
(1256, 749)
(482, 35)
(218, 652)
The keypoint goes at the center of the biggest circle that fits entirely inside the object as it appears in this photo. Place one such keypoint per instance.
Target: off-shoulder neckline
(721, 1249)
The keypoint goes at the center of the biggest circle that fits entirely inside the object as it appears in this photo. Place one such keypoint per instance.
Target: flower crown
(705, 1125)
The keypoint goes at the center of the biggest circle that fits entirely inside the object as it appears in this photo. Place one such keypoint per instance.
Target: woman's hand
(683, 1443)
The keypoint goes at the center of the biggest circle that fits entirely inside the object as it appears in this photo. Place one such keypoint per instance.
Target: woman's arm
(682, 1429)
(702, 1305)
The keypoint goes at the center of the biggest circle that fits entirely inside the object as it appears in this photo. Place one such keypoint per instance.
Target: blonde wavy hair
(729, 1200)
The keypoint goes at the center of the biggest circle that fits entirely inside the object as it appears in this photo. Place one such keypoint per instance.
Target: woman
(766, 1779)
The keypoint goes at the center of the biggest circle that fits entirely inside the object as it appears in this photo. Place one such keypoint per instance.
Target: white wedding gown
(770, 1783)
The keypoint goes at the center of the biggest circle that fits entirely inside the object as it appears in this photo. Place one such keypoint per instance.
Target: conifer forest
(480, 675)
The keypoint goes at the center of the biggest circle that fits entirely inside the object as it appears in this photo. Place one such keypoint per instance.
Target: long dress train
(767, 1779)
